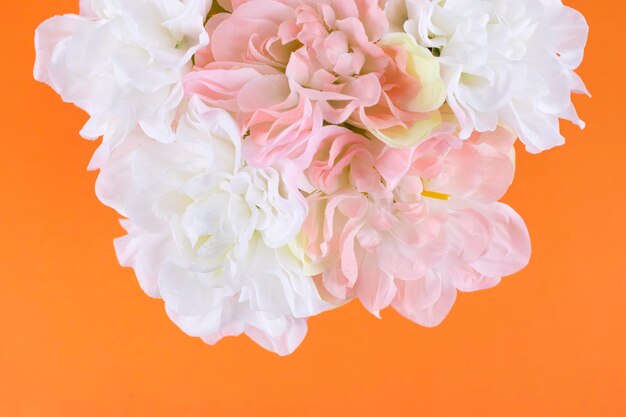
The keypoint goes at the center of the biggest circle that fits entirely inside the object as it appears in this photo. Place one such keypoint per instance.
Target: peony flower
(284, 67)
(504, 62)
(407, 228)
(122, 62)
(215, 238)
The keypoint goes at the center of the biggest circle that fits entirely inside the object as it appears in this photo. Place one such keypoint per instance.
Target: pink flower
(408, 228)
(283, 67)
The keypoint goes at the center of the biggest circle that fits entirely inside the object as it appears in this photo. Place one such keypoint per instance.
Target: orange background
(79, 338)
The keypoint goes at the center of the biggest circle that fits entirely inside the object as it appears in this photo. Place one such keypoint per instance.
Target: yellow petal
(400, 137)
(422, 65)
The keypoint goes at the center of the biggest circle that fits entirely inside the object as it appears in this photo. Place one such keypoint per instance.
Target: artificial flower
(286, 67)
(504, 62)
(408, 228)
(122, 62)
(213, 237)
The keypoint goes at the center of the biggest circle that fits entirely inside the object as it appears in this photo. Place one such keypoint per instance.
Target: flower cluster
(274, 159)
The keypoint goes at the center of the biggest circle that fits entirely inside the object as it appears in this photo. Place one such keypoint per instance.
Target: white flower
(507, 62)
(122, 62)
(216, 239)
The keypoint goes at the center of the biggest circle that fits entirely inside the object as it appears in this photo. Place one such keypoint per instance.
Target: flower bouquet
(274, 159)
